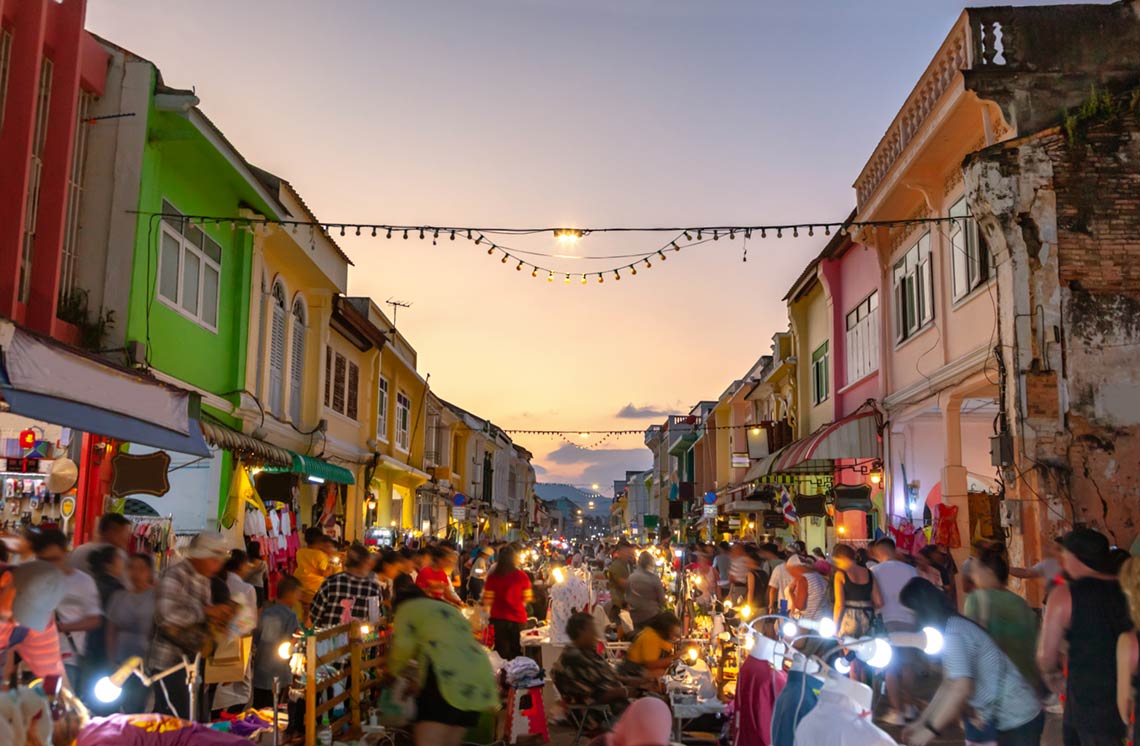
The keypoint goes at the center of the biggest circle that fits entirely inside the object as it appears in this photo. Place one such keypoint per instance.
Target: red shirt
(434, 582)
(509, 594)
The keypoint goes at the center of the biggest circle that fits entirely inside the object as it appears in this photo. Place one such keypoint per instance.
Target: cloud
(632, 412)
(594, 466)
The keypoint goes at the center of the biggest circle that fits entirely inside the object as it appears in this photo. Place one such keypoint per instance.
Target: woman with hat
(1089, 613)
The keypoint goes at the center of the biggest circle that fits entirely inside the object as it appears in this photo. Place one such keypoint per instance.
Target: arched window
(277, 351)
(297, 361)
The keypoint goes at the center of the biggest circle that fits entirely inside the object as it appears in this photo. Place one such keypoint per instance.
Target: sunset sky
(558, 112)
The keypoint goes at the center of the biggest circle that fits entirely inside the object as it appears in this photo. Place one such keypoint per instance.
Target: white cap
(208, 545)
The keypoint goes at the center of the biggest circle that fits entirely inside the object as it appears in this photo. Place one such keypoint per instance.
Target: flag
(789, 509)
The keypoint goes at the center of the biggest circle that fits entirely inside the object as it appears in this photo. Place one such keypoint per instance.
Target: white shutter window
(277, 352)
(297, 362)
(382, 410)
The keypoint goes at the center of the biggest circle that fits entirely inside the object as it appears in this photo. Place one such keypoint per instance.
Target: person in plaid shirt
(184, 610)
(345, 595)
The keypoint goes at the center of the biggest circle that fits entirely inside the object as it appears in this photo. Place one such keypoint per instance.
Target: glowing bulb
(559, 575)
(934, 641)
(504, 259)
(727, 604)
(746, 612)
(755, 431)
(365, 629)
(568, 235)
(594, 486)
(842, 666)
(693, 654)
(550, 277)
(285, 650)
(877, 653)
(106, 690)
(842, 530)
(519, 268)
(876, 477)
(583, 279)
(752, 524)
(567, 281)
(826, 627)
(750, 642)
(789, 629)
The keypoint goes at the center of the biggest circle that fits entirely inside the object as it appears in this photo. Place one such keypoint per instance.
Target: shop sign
(740, 461)
(140, 474)
(459, 513)
(734, 522)
(710, 510)
(23, 465)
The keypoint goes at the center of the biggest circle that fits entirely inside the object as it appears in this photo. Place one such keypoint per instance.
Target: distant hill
(581, 498)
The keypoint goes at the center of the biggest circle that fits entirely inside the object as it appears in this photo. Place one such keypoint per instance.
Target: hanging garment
(837, 720)
(946, 526)
(796, 700)
(757, 686)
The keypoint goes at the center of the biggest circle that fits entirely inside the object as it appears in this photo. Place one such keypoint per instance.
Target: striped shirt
(180, 602)
(1001, 696)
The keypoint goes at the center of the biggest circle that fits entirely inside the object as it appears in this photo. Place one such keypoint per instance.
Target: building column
(955, 486)
(59, 146)
(16, 145)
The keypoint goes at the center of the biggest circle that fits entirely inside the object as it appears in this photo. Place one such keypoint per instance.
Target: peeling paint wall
(1063, 219)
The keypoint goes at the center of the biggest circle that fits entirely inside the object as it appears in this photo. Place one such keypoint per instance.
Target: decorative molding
(948, 375)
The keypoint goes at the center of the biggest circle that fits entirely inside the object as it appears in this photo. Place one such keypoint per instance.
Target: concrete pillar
(954, 478)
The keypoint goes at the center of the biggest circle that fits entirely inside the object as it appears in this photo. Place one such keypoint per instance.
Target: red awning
(854, 437)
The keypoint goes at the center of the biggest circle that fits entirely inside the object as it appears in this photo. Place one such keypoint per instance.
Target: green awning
(319, 468)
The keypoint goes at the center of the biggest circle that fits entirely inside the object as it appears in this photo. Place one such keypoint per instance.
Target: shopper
(107, 567)
(1128, 652)
(738, 575)
(234, 696)
(1089, 613)
(757, 596)
(723, 564)
(645, 593)
(130, 618)
(78, 613)
(452, 673)
(393, 578)
(568, 596)
(480, 568)
(617, 575)
(346, 595)
(976, 676)
(1006, 616)
(855, 594)
(808, 590)
(435, 579)
(779, 578)
(185, 620)
(258, 573)
(314, 564)
(891, 575)
(112, 529)
(505, 597)
(277, 626)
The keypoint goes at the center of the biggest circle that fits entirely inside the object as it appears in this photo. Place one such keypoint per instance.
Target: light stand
(110, 688)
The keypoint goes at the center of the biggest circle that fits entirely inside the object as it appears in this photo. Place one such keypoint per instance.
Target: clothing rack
(153, 535)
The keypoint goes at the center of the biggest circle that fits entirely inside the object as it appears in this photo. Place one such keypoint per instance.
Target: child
(313, 566)
(277, 625)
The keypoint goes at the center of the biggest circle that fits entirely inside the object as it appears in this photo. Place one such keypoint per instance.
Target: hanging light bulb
(583, 279)
(795, 231)
(662, 255)
(763, 233)
(491, 251)
(675, 246)
(550, 277)
(600, 278)
(632, 270)
(342, 230)
(732, 235)
(519, 268)
(405, 234)
(389, 233)
(534, 272)
(358, 230)
(421, 234)
(478, 240)
(748, 233)
(568, 278)
(716, 235)
(617, 275)
(827, 230)
(453, 235)
(504, 259)
(436, 234)
(779, 233)
(688, 236)
(647, 264)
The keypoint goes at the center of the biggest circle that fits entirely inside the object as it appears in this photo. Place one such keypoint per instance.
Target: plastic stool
(526, 715)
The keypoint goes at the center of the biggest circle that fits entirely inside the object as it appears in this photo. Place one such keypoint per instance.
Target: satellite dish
(62, 476)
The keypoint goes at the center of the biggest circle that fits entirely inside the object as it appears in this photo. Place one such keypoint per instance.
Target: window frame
(862, 329)
(383, 390)
(298, 337)
(820, 385)
(403, 422)
(974, 258)
(205, 261)
(912, 290)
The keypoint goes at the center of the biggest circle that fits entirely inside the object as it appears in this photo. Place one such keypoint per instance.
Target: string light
(453, 235)
(491, 250)
(389, 233)
(504, 259)
(341, 229)
(675, 246)
(534, 272)
(550, 277)
(716, 235)
(358, 230)
(600, 278)
(648, 265)
(583, 279)
(568, 278)
(688, 236)
(662, 255)
(617, 275)
(405, 234)
(374, 231)
(478, 240)
(732, 235)
(519, 268)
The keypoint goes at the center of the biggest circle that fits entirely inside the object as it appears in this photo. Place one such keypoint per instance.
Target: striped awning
(854, 437)
(246, 446)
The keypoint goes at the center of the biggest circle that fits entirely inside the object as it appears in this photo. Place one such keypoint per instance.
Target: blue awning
(45, 380)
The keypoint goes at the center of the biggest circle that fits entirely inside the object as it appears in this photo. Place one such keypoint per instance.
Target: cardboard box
(229, 662)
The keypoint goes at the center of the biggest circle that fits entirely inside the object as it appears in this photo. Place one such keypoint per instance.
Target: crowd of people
(1003, 666)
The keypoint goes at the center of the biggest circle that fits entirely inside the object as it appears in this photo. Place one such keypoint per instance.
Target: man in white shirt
(779, 580)
(891, 574)
(78, 613)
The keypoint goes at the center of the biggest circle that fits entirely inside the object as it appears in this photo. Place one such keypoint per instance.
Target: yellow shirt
(312, 568)
(648, 647)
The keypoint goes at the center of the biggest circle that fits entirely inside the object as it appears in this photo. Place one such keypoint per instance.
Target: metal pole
(276, 730)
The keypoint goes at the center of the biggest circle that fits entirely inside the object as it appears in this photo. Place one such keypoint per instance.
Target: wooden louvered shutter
(277, 354)
(338, 385)
(328, 374)
(297, 363)
(353, 390)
